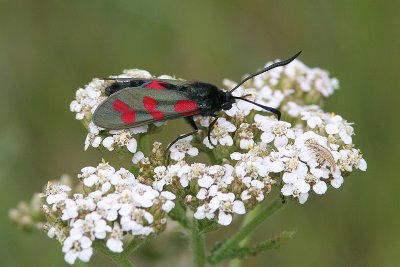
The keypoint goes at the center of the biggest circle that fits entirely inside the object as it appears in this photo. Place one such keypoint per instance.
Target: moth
(134, 102)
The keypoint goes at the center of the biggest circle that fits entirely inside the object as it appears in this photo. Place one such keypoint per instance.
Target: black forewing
(107, 116)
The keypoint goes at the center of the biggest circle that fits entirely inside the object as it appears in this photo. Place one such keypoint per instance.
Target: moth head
(227, 101)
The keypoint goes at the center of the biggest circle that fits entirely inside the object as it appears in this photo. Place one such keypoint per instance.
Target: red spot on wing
(128, 115)
(156, 85)
(150, 105)
(158, 115)
(185, 106)
(120, 106)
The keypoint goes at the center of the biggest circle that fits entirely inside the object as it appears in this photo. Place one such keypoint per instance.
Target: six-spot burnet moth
(135, 102)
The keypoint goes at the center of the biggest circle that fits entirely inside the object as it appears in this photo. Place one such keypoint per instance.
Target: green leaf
(234, 240)
(245, 252)
(134, 169)
(206, 226)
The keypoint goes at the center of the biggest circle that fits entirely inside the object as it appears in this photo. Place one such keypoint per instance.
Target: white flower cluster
(252, 152)
(307, 153)
(294, 80)
(114, 204)
(215, 191)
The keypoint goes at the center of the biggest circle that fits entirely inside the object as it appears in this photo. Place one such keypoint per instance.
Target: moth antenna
(273, 110)
(270, 67)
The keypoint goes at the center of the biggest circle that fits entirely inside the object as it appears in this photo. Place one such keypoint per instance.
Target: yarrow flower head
(252, 154)
(112, 205)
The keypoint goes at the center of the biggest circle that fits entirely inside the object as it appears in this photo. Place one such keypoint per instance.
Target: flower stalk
(120, 259)
(198, 245)
(248, 218)
(233, 241)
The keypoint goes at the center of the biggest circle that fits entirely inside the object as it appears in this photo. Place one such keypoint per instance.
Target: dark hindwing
(156, 84)
(136, 106)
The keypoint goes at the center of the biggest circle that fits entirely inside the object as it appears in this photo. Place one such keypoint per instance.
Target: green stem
(248, 218)
(133, 245)
(178, 213)
(232, 242)
(144, 144)
(198, 246)
(120, 259)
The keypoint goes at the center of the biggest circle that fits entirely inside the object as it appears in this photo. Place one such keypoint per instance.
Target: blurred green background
(50, 48)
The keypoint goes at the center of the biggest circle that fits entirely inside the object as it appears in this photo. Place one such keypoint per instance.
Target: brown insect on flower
(323, 153)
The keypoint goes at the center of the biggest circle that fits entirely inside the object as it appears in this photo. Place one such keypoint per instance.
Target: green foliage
(251, 251)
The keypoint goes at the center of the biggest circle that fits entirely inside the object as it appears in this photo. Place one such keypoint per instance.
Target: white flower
(299, 190)
(123, 177)
(204, 211)
(88, 174)
(221, 133)
(93, 140)
(120, 138)
(362, 165)
(209, 192)
(205, 181)
(77, 247)
(221, 175)
(239, 109)
(351, 158)
(313, 178)
(84, 204)
(167, 198)
(274, 162)
(56, 193)
(70, 210)
(294, 169)
(274, 130)
(135, 73)
(197, 171)
(108, 207)
(183, 147)
(182, 171)
(132, 145)
(271, 98)
(227, 205)
(313, 118)
(255, 191)
(134, 218)
(93, 226)
(247, 171)
(336, 125)
(114, 243)
(137, 157)
(143, 195)
(161, 178)
(245, 135)
(51, 233)
(295, 110)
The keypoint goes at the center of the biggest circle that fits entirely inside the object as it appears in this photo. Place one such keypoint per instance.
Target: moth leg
(210, 128)
(192, 124)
